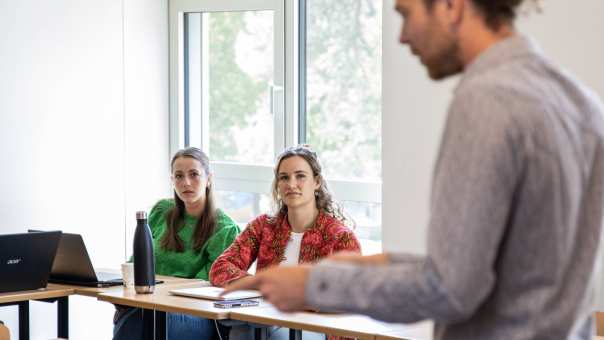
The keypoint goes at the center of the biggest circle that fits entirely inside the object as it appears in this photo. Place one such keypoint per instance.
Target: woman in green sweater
(189, 233)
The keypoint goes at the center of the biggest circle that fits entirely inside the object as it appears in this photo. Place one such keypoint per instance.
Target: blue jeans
(180, 326)
(241, 330)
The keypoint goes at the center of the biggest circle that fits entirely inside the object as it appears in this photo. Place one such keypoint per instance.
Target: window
(340, 107)
(250, 77)
(343, 86)
(231, 66)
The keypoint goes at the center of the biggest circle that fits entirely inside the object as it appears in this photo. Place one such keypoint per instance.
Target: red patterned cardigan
(265, 239)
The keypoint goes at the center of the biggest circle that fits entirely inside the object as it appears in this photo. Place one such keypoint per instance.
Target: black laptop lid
(72, 262)
(26, 260)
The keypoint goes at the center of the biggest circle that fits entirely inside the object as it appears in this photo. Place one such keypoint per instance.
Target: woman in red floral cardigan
(307, 227)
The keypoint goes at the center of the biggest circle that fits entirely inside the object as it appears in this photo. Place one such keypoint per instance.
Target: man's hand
(284, 287)
(377, 259)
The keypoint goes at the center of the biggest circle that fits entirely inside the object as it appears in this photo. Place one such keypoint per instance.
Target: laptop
(26, 260)
(72, 265)
(213, 293)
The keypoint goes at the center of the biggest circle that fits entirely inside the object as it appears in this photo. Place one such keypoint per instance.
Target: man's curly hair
(496, 12)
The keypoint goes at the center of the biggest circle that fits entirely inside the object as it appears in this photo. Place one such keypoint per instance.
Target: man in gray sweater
(517, 195)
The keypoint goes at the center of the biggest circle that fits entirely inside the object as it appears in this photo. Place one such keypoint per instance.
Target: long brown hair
(175, 218)
(323, 198)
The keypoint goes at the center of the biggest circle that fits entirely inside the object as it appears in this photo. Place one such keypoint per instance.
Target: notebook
(26, 259)
(72, 265)
(213, 293)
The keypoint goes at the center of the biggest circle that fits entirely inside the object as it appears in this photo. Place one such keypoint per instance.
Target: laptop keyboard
(104, 277)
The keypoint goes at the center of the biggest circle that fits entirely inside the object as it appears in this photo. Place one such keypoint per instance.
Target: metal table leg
(260, 333)
(295, 334)
(148, 324)
(161, 326)
(63, 317)
(24, 320)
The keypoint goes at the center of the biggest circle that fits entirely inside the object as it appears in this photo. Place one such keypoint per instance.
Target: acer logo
(13, 261)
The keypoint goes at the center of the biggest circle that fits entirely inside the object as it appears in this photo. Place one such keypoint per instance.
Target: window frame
(290, 129)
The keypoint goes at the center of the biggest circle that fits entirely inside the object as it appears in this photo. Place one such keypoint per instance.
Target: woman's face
(190, 180)
(296, 183)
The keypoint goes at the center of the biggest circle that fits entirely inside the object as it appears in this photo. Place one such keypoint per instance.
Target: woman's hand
(284, 287)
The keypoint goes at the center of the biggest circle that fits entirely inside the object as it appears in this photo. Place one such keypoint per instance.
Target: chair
(599, 317)
(4, 332)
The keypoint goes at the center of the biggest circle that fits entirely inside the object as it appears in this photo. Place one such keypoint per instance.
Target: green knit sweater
(189, 263)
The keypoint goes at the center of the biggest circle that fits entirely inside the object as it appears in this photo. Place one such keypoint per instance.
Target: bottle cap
(141, 215)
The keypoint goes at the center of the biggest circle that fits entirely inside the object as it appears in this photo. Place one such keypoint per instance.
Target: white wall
(83, 130)
(146, 106)
(414, 108)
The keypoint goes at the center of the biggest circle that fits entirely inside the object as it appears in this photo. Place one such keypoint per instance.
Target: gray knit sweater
(516, 212)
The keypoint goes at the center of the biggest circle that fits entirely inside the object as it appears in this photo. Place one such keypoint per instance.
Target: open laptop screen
(72, 264)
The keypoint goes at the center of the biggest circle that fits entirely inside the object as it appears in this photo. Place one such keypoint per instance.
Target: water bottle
(144, 260)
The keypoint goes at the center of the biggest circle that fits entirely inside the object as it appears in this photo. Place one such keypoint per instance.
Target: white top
(292, 250)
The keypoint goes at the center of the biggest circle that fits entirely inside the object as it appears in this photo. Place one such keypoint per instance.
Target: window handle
(275, 98)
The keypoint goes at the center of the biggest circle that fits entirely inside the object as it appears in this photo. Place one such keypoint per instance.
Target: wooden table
(156, 305)
(60, 293)
(347, 325)
(95, 291)
(53, 292)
